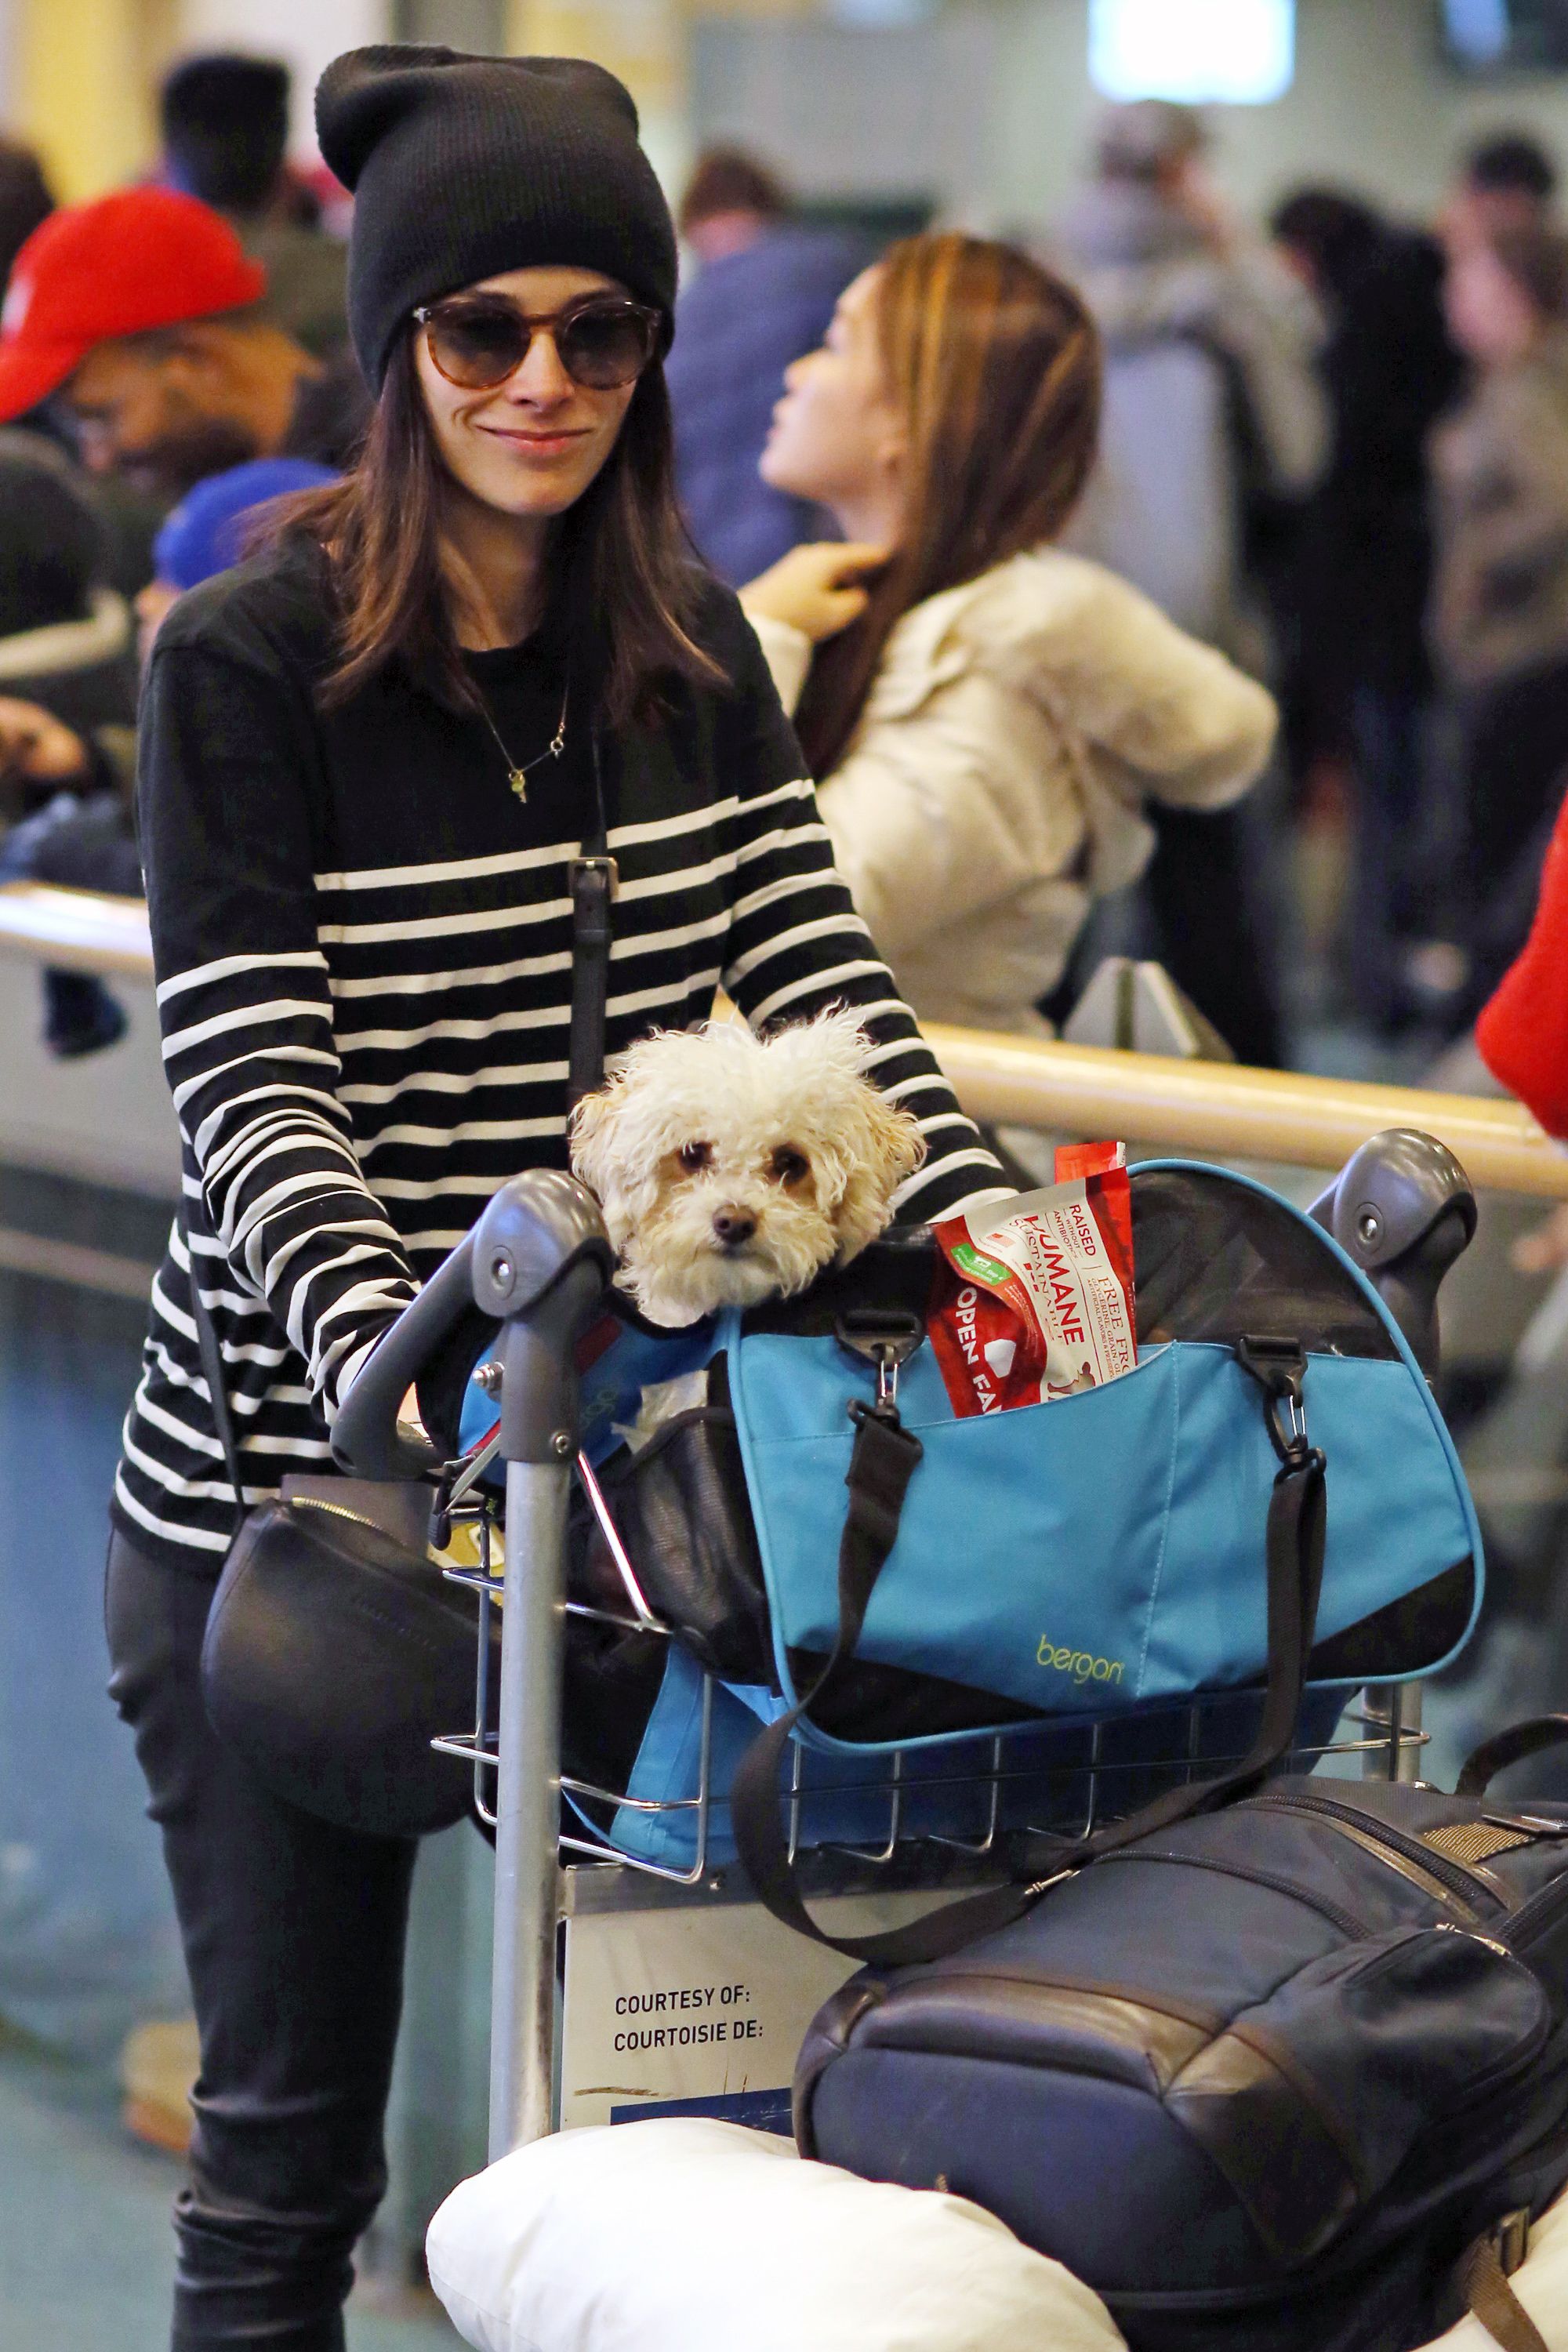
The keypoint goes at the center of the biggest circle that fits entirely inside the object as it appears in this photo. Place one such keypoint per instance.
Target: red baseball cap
(143, 257)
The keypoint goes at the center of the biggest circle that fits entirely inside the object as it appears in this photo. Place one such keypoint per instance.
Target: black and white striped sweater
(363, 948)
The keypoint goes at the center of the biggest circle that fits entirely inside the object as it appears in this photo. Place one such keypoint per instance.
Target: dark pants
(293, 1935)
(1202, 887)
(1515, 756)
(1392, 851)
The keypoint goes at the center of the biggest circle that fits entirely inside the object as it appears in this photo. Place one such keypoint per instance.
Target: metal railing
(76, 930)
(1217, 1109)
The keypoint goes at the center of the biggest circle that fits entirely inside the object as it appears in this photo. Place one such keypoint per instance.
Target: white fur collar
(69, 645)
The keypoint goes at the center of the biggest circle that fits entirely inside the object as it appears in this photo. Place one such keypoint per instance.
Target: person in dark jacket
(224, 120)
(1507, 181)
(64, 638)
(83, 836)
(762, 297)
(67, 678)
(25, 200)
(1360, 567)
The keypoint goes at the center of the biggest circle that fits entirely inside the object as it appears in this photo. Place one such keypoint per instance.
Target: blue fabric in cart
(945, 1790)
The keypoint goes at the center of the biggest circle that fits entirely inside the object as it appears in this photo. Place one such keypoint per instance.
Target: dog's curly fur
(733, 1168)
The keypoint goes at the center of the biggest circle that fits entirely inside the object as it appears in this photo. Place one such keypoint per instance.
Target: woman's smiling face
(532, 446)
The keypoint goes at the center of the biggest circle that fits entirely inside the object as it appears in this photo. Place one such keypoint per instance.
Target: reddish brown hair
(621, 560)
(729, 180)
(993, 363)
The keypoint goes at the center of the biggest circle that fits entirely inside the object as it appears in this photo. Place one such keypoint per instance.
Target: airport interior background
(874, 116)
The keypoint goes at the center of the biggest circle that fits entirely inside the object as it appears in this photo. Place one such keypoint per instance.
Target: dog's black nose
(733, 1227)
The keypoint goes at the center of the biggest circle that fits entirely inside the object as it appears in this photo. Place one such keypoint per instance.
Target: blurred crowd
(1023, 529)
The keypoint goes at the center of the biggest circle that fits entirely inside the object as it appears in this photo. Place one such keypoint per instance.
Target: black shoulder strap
(879, 1471)
(593, 880)
(212, 1372)
(592, 875)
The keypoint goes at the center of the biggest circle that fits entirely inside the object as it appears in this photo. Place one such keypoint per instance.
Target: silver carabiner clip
(884, 1338)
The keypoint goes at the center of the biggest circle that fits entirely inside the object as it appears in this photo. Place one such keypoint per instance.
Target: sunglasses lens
(607, 345)
(474, 347)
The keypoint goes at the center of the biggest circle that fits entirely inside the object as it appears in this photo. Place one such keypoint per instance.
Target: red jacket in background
(1523, 1033)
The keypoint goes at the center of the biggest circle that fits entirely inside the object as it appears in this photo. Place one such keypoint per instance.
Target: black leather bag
(335, 1650)
(1291, 2076)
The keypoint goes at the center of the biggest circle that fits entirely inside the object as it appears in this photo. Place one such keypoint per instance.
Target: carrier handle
(1495, 1754)
(1403, 1210)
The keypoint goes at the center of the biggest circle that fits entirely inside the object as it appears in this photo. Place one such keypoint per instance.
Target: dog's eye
(694, 1157)
(790, 1165)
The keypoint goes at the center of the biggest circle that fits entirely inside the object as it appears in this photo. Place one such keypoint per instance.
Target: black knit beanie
(463, 167)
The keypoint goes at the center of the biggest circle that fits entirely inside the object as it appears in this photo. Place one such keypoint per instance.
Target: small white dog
(733, 1168)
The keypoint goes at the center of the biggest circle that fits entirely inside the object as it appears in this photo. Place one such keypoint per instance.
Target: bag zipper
(1449, 1928)
(1349, 1925)
(1451, 1877)
(1422, 1875)
(1541, 1910)
(338, 1510)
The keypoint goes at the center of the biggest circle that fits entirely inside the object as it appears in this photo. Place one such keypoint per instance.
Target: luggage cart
(538, 1263)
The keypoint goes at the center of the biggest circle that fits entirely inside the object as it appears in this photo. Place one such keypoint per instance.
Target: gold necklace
(518, 777)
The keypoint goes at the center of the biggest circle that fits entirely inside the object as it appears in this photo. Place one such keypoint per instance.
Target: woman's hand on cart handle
(374, 1435)
(537, 1257)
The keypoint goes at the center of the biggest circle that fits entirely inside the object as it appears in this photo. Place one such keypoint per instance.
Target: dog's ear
(885, 1146)
(590, 1133)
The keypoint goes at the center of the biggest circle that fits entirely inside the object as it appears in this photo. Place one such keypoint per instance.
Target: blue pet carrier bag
(1080, 1564)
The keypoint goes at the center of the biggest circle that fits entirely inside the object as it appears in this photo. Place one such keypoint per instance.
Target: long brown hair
(993, 363)
(622, 565)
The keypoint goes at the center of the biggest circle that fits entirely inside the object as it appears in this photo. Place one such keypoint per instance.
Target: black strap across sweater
(362, 942)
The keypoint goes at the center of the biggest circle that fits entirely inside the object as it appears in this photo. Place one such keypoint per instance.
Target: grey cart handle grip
(540, 1229)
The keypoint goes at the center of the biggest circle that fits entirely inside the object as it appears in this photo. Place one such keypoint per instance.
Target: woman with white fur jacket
(986, 716)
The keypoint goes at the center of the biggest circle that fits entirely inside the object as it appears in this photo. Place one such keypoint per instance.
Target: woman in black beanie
(371, 758)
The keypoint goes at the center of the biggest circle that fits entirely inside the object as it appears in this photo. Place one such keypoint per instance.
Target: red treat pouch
(1033, 1297)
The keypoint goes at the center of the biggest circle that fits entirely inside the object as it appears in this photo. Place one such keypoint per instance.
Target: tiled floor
(86, 2254)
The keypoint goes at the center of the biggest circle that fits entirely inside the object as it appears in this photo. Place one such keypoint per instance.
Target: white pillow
(1541, 2284)
(685, 2235)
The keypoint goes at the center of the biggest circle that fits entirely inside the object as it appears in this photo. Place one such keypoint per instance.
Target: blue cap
(205, 531)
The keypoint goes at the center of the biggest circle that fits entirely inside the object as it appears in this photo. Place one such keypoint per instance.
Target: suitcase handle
(1494, 1756)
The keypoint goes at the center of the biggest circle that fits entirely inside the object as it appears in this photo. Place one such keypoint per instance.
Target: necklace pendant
(518, 779)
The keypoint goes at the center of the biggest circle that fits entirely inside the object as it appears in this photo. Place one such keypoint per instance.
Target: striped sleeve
(247, 1013)
(797, 945)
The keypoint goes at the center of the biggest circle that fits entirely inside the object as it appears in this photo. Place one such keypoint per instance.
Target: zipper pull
(1450, 1927)
(1040, 1885)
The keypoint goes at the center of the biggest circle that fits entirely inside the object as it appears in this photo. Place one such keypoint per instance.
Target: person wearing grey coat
(1212, 398)
(1499, 608)
(1212, 410)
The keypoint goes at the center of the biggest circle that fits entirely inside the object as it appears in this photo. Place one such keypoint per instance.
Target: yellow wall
(85, 74)
(643, 41)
